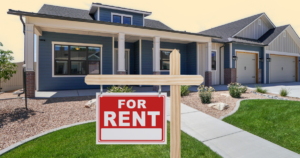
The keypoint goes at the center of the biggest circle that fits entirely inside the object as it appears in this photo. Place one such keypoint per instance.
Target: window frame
(69, 60)
(122, 15)
(211, 66)
(160, 61)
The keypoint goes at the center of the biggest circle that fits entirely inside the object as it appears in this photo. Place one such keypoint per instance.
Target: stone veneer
(229, 75)
(208, 78)
(30, 84)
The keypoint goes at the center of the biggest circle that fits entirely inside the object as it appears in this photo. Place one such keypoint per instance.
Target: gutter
(23, 24)
(31, 14)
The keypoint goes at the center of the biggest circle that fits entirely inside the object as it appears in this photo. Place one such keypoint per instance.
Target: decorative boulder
(91, 104)
(218, 106)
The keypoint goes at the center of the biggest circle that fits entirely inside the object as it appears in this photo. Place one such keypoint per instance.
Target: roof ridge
(233, 21)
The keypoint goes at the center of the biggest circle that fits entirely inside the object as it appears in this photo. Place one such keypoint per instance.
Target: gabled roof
(269, 36)
(228, 30)
(84, 14)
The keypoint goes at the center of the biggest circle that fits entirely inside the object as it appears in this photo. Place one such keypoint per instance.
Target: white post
(156, 51)
(121, 53)
(29, 47)
(208, 63)
(38, 33)
(265, 66)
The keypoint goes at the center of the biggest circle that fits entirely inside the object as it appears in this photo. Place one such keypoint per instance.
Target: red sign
(131, 118)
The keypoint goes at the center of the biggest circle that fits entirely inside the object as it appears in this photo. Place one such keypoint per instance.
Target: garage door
(246, 69)
(282, 69)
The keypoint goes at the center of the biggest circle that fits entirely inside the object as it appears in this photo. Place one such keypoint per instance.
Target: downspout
(24, 68)
(220, 55)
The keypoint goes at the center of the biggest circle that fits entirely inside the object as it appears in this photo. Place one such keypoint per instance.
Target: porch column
(38, 33)
(208, 75)
(29, 60)
(121, 53)
(156, 58)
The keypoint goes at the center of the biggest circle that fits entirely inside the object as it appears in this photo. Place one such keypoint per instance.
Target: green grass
(80, 141)
(275, 120)
(261, 90)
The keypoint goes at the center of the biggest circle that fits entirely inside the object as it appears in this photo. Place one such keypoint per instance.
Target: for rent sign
(124, 118)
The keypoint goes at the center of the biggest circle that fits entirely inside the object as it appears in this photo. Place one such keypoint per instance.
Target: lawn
(80, 141)
(275, 120)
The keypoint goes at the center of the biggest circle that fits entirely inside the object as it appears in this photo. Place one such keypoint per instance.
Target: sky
(187, 15)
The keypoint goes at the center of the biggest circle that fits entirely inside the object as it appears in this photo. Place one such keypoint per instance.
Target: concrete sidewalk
(227, 140)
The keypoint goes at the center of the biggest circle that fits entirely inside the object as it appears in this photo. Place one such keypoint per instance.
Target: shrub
(185, 90)
(205, 94)
(235, 90)
(284, 92)
(243, 89)
(260, 89)
(119, 89)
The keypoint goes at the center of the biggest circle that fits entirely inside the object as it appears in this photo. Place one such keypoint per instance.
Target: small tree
(7, 69)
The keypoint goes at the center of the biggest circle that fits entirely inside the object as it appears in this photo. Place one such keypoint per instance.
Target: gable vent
(259, 21)
(284, 33)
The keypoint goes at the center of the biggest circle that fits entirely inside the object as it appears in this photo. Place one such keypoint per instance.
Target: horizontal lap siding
(227, 56)
(191, 63)
(47, 82)
(131, 48)
(105, 15)
(137, 57)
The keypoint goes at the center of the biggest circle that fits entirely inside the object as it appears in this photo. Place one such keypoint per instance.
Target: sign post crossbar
(174, 79)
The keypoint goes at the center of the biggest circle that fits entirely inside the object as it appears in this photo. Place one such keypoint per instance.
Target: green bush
(284, 92)
(119, 89)
(185, 90)
(205, 94)
(260, 89)
(235, 90)
(243, 89)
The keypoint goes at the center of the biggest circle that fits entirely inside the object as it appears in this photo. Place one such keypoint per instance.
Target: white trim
(222, 65)
(230, 55)
(198, 62)
(37, 62)
(269, 70)
(253, 22)
(77, 44)
(98, 14)
(143, 19)
(282, 53)
(265, 66)
(113, 55)
(123, 9)
(213, 50)
(164, 49)
(128, 50)
(122, 15)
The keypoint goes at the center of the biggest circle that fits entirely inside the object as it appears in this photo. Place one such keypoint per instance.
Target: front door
(127, 61)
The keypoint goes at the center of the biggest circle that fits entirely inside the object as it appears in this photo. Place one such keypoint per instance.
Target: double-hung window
(165, 59)
(121, 18)
(76, 60)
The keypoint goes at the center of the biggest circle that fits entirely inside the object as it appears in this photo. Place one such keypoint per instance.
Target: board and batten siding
(105, 15)
(284, 44)
(254, 30)
(47, 82)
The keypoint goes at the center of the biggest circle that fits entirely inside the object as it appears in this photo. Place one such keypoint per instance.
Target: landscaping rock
(218, 106)
(91, 104)
(225, 94)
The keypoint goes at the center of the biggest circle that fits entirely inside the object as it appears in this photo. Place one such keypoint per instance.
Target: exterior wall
(136, 58)
(96, 15)
(268, 69)
(255, 31)
(227, 56)
(47, 82)
(192, 58)
(284, 44)
(105, 15)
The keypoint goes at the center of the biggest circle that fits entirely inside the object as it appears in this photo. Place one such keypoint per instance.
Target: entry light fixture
(261, 59)
(234, 58)
(77, 48)
(268, 59)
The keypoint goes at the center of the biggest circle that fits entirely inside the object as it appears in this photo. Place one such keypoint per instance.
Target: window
(121, 18)
(76, 60)
(165, 60)
(213, 60)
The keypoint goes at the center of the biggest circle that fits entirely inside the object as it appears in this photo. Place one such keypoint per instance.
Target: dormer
(256, 28)
(121, 15)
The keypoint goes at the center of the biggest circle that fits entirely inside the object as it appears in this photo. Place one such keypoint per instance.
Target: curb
(3, 151)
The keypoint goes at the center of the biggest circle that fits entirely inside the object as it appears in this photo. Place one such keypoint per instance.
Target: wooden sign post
(174, 79)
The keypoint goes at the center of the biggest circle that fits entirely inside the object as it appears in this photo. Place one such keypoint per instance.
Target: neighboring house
(254, 50)
(114, 40)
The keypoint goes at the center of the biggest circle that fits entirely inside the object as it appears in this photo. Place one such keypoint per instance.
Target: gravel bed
(17, 124)
(194, 101)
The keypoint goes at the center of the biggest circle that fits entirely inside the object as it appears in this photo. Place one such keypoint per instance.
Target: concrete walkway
(227, 140)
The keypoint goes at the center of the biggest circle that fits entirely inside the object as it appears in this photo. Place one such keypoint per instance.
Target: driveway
(292, 87)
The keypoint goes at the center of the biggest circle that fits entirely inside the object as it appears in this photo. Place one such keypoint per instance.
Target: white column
(29, 47)
(38, 33)
(230, 55)
(265, 66)
(208, 63)
(156, 51)
(121, 53)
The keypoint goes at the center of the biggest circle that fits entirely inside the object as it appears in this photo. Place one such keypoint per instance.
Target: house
(114, 40)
